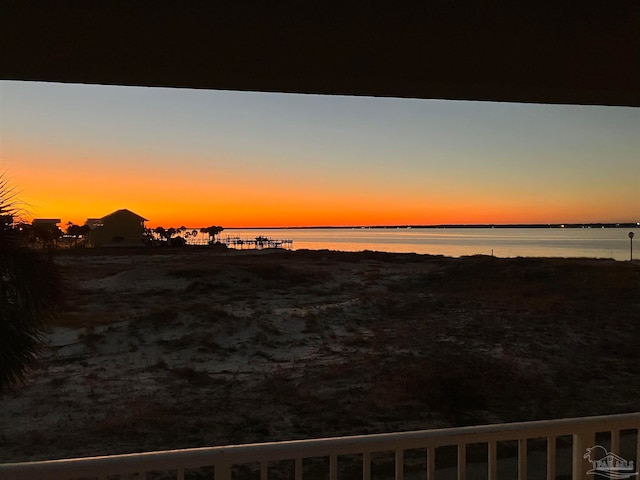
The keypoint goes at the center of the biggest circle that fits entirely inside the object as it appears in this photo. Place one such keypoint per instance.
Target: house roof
(45, 220)
(124, 211)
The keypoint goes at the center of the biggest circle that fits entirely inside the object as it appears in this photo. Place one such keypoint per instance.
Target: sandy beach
(176, 348)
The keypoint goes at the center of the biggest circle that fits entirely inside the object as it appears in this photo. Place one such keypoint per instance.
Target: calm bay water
(455, 242)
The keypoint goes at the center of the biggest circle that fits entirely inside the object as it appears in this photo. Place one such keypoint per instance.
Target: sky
(248, 159)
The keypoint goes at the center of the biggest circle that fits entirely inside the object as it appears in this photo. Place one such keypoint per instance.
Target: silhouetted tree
(77, 231)
(170, 232)
(212, 231)
(48, 235)
(182, 231)
(6, 222)
(165, 234)
(177, 242)
(30, 290)
(147, 237)
(160, 231)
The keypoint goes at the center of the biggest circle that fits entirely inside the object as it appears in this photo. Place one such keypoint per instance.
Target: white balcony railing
(581, 432)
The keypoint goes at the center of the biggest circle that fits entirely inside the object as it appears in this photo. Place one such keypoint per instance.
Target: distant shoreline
(444, 226)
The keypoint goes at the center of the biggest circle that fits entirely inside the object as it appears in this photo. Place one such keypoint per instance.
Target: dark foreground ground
(191, 348)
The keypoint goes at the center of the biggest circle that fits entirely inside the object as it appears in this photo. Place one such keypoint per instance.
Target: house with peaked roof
(121, 228)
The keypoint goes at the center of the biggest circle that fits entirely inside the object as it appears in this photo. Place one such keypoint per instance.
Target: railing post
(399, 464)
(522, 459)
(298, 468)
(366, 465)
(637, 447)
(551, 458)
(615, 441)
(492, 460)
(333, 467)
(580, 465)
(431, 463)
(222, 471)
(462, 461)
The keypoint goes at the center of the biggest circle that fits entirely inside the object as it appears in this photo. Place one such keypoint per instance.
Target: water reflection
(502, 242)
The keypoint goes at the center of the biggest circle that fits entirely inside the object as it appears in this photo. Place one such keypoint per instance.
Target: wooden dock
(257, 243)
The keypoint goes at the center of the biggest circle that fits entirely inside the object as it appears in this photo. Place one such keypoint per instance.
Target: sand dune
(189, 348)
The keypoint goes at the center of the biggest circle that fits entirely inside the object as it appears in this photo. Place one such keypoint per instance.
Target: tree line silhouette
(176, 237)
(49, 237)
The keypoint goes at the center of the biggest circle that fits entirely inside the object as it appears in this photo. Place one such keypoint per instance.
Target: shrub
(31, 289)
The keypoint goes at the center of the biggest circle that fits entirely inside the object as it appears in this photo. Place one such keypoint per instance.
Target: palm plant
(212, 231)
(77, 231)
(165, 233)
(30, 290)
(8, 209)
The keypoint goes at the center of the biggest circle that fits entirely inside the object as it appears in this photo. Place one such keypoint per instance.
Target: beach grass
(212, 348)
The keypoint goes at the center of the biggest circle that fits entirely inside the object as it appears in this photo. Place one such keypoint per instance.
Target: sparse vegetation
(317, 344)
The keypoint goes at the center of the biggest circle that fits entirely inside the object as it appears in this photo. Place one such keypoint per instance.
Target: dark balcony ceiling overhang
(556, 52)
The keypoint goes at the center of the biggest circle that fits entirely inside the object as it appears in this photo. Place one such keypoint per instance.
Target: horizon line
(454, 225)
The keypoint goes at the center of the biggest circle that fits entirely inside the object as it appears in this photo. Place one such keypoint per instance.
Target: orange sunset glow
(181, 157)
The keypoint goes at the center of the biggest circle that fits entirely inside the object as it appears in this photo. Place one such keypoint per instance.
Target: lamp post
(631, 246)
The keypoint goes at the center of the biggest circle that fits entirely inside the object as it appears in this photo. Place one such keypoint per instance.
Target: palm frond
(31, 288)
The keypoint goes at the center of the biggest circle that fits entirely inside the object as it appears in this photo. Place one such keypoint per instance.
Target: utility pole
(631, 246)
